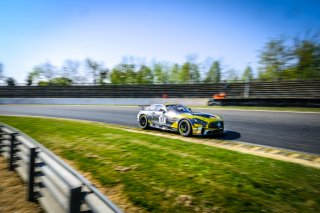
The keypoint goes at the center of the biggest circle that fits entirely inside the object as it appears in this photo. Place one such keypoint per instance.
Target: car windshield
(179, 108)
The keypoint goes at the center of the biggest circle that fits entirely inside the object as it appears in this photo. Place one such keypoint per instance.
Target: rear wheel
(185, 128)
(143, 122)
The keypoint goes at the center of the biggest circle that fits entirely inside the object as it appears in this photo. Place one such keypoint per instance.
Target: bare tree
(70, 70)
(98, 72)
(48, 70)
(1, 71)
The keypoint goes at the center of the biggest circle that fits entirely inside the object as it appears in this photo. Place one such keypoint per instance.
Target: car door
(158, 117)
(170, 117)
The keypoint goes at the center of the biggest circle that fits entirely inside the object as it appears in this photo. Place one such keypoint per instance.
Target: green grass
(157, 173)
(293, 109)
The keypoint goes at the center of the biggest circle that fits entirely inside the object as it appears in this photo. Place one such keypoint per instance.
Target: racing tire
(143, 122)
(185, 128)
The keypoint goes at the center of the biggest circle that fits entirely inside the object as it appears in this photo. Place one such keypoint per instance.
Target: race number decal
(162, 119)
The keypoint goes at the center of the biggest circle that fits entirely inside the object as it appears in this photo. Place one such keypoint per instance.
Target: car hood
(201, 115)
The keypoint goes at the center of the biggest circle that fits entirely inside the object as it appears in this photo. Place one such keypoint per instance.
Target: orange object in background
(164, 95)
(220, 95)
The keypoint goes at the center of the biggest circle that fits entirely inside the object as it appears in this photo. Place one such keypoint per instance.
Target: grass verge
(167, 175)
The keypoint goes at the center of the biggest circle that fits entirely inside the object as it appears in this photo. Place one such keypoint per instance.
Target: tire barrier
(49, 181)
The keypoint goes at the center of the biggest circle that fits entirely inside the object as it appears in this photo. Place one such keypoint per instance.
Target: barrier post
(12, 151)
(32, 163)
(75, 200)
(1, 138)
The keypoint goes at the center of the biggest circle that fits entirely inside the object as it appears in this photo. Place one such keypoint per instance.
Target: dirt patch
(13, 193)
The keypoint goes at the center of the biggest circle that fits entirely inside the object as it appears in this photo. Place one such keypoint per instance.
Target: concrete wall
(109, 101)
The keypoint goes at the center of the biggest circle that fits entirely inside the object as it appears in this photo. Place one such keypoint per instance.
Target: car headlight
(199, 121)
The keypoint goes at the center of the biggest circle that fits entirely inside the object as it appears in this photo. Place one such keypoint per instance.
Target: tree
(185, 74)
(1, 71)
(194, 72)
(174, 74)
(43, 72)
(160, 73)
(49, 71)
(95, 69)
(60, 81)
(32, 76)
(11, 81)
(70, 70)
(103, 75)
(247, 74)
(307, 52)
(123, 74)
(117, 76)
(214, 73)
(131, 76)
(193, 67)
(144, 75)
(283, 59)
(275, 58)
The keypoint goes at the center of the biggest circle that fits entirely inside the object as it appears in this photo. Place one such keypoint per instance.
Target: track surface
(295, 131)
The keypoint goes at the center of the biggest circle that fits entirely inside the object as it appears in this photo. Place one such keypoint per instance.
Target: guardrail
(50, 181)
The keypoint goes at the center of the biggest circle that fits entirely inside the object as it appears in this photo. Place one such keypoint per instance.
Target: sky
(34, 32)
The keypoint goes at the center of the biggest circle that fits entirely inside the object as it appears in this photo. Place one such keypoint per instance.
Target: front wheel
(185, 128)
(143, 122)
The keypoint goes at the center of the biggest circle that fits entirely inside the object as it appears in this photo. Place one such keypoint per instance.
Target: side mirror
(190, 109)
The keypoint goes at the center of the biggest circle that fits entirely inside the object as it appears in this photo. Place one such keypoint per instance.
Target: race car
(179, 118)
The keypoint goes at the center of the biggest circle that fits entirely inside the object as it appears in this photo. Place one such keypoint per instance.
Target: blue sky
(233, 31)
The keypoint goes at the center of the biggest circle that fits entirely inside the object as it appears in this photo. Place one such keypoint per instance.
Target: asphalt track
(288, 130)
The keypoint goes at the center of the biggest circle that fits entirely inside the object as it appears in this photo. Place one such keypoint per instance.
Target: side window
(150, 108)
(157, 107)
(163, 109)
(170, 108)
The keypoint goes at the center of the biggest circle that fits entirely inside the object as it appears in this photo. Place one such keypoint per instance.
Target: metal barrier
(49, 181)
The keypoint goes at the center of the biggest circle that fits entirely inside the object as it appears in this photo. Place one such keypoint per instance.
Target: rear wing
(142, 107)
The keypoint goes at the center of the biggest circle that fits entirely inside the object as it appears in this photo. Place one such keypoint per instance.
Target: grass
(292, 109)
(167, 175)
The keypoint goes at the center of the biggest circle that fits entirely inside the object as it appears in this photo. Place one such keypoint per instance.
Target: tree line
(90, 71)
(286, 58)
(281, 58)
